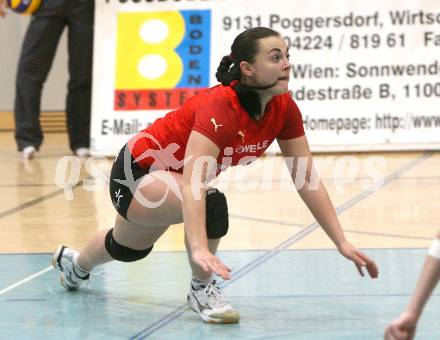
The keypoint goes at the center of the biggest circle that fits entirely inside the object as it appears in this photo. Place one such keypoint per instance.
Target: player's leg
(126, 242)
(205, 296)
(137, 228)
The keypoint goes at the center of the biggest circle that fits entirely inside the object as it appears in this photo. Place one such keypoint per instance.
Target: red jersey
(217, 114)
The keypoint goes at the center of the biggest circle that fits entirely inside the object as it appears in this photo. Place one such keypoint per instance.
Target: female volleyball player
(165, 168)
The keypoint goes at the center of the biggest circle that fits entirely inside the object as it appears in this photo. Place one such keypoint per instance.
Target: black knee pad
(217, 217)
(123, 253)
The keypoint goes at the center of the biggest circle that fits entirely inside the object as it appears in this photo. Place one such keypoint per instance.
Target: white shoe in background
(28, 152)
(82, 152)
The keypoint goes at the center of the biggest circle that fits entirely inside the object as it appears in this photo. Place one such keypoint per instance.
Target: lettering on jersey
(252, 148)
(216, 126)
(162, 58)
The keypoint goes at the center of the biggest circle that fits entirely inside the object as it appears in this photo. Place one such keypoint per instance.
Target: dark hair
(244, 48)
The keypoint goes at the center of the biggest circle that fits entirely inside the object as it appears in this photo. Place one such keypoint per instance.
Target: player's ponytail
(225, 73)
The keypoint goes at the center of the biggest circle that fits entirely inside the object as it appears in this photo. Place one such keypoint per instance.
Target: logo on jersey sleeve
(241, 134)
(162, 58)
(216, 126)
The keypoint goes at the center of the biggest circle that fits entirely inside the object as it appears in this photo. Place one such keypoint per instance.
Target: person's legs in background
(37, 54)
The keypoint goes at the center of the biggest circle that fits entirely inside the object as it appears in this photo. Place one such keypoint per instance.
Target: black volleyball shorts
(125, 172)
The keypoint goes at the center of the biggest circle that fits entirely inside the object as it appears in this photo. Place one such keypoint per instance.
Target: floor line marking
(26, 279)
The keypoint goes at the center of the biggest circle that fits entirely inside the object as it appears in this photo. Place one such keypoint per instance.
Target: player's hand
(359, 258)
(2, 8)
(402, 328)
(211, 263)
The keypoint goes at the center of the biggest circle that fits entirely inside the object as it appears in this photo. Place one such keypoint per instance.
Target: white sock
(199, 284)
(78, 270)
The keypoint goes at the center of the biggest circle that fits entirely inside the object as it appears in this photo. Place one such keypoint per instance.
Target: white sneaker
(72, 276)
(82, 152)
(28, 152)
(212, 305)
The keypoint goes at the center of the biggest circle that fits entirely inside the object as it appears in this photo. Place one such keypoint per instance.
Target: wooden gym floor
(288, 282)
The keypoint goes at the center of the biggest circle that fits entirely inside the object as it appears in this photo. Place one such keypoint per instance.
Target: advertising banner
(366, 75)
